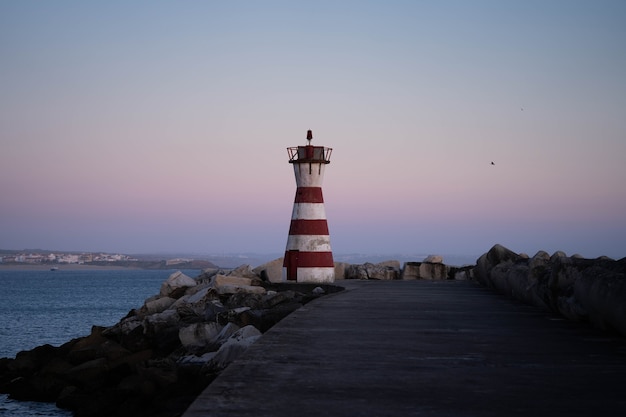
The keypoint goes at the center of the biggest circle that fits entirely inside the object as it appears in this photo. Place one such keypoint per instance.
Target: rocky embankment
(157, 359)
(579, 289)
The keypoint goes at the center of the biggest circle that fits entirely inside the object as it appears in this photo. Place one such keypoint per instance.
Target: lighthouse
(308, 256)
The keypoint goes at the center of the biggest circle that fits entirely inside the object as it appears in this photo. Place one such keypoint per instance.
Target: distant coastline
(68, 267)
(104, 266)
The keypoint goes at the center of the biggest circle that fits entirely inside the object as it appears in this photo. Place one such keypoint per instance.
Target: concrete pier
(422, 348)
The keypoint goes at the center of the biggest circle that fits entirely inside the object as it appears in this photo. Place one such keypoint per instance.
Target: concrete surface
(422, 348)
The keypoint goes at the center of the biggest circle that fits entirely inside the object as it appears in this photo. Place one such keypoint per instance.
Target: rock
(205, 311)
(430, 270)
(388, 270)
(199, 336)
(497, 254)
(424, 270)
(434, 259)
(234, 346)
(461, 273)
(231, 315)
(221, 280)
(196, 360)
(318, 291)
(207, 275)
(243, 271)
(159, 305)
(340, 270)
(411, 270)
(227, 331)
(234, 289)
(272, 270)
(202, 287)
(558, 254)
(88, 372)
(157, 321)
(177, 281)
(273, 298)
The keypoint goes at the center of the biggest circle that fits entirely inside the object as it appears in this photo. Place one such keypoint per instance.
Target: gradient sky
(154, 126)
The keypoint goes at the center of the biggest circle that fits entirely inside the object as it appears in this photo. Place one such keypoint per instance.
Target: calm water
(39, 307)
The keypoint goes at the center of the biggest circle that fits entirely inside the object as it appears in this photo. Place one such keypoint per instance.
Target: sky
(158, 126)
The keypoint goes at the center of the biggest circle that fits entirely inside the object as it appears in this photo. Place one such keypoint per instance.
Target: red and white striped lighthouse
(308, 257)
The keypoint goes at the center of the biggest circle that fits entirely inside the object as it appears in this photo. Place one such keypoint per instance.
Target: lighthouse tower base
(311, 275)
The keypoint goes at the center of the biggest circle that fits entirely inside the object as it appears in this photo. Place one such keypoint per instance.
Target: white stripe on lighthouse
(312, 211)
(309, 243)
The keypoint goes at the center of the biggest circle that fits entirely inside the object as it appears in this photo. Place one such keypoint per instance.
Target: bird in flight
(492, 163)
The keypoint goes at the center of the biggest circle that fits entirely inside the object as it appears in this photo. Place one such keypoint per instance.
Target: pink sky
(163, 127)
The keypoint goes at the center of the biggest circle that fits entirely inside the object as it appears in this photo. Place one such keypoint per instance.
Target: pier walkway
(422, 348)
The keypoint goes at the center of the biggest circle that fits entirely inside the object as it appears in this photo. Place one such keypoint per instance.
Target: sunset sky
(158, 126)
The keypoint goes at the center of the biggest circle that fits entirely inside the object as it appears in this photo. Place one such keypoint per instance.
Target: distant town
(97, 259)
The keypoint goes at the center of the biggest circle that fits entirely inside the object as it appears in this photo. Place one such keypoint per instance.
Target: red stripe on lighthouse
(312, 259)
(309, 195)
(308, 227)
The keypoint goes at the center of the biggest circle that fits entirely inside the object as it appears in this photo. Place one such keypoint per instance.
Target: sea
(52, 307)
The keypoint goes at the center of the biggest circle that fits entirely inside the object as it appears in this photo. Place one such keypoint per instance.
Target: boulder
(234, 346)
(202, 311)
(157, 323)
(498, 254)
(199, 336)
(430, 270)
(434, 259)
(88, 372)
(461, 273)
(271, 271)
(175, 283)
(221, 280)
(424, 270)
(243, 271)
(234, 289)
(340, 270)
(159, 305)
(382, 271)
(227, 331)
(411, 270)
